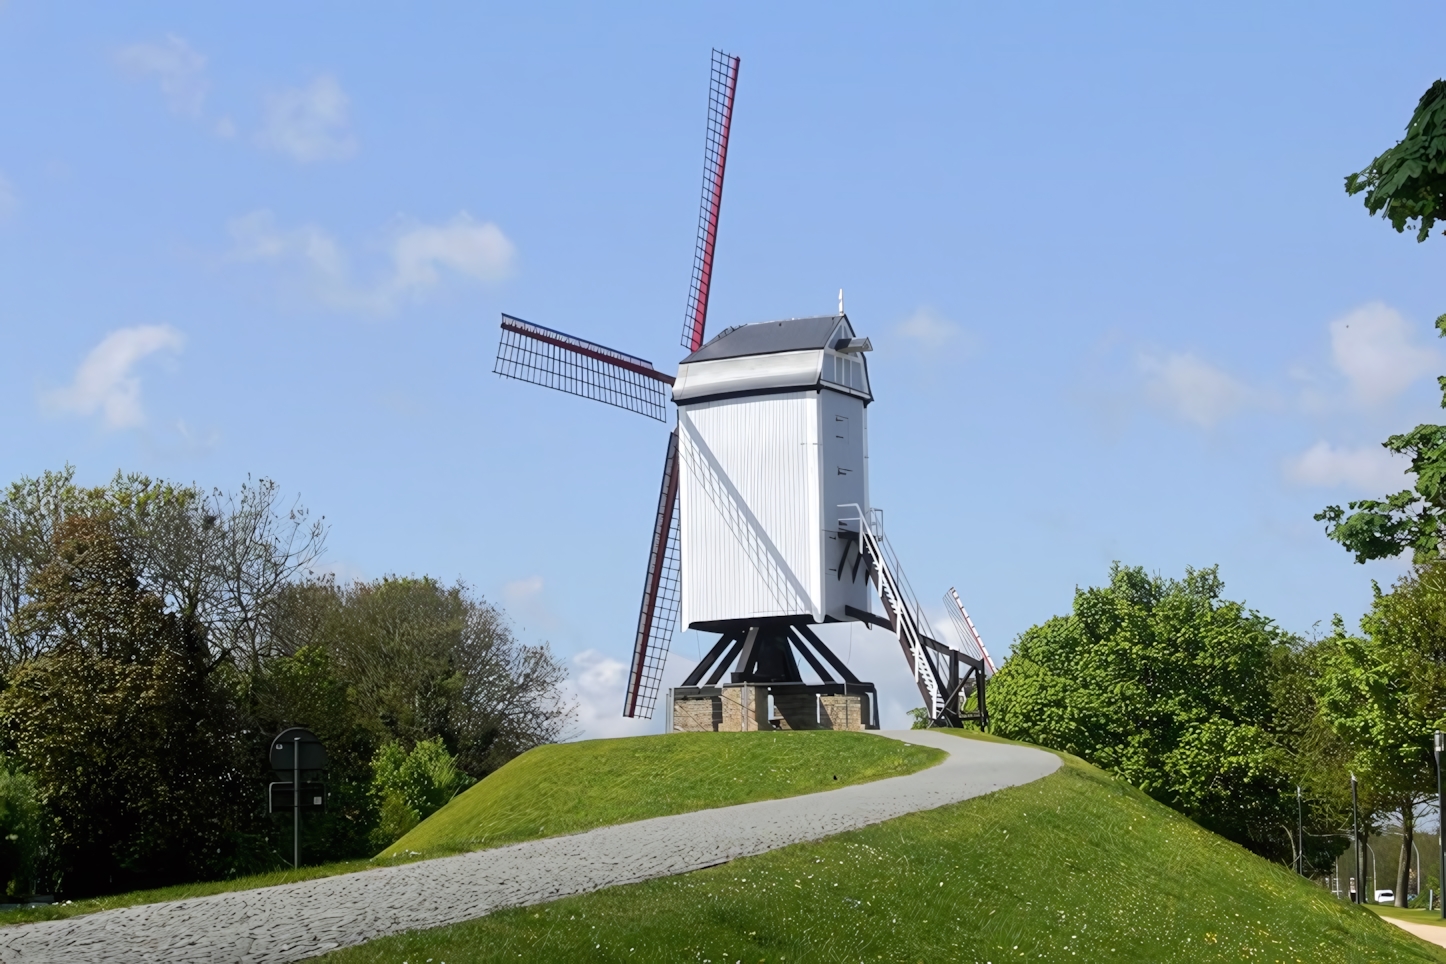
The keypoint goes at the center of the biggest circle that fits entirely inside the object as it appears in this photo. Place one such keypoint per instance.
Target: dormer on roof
(777, 356)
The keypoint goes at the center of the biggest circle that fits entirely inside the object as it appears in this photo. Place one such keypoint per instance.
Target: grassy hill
(1074, 866)
(569, 787)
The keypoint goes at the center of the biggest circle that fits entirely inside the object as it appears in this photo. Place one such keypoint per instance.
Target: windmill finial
(840, 301)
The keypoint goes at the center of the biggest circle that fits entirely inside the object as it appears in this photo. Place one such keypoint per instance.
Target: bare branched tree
(221, 562)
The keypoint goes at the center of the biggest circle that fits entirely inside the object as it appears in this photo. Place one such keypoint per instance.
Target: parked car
(1385, 896)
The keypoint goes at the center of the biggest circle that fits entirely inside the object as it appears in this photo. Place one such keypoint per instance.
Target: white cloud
(597, 685)
(522, 589)
(106, 382)
(1374, 348)
(179, 68)
(309, 123)
(927, 327)
(1192, 388)
(1371, 468)
(478, 251)
(419, 255)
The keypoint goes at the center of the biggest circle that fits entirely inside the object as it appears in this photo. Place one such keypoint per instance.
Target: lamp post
(1299, 833)
(1356, 841)
(1371, 854)
(1440, 810)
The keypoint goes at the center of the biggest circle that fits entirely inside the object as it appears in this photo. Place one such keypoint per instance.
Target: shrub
(409, 787)
(19, 830)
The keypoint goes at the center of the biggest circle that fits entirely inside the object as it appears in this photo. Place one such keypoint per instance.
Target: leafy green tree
(1408, 182)
(19, 830)
(120, 722)
(1411, 519)
(410, 787)
(192, 623)
(424, 660)
(1317, 759)
(1169, 686)
(1405, 184)
(1384, 693)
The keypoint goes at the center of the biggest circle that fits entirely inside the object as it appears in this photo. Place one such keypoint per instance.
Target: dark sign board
(286, 745)
(313, 796)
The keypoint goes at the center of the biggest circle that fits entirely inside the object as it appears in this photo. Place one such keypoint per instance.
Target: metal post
(1356, 842)
(296, 801)
(1441, 819)
(1299, 833)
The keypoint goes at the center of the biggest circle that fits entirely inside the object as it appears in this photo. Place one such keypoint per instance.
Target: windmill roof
(767, 337)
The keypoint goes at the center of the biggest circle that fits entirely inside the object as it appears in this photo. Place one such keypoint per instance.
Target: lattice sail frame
(662, 596)
(964, 626)
(552, 359)
(723, 85)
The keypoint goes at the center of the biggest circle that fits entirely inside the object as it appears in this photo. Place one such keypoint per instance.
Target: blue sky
(1121, 305)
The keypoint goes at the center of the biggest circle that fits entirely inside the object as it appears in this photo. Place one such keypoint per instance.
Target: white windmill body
(773, 440)
(763, 527)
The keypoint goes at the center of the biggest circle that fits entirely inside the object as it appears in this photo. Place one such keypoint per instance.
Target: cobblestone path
(295, 921)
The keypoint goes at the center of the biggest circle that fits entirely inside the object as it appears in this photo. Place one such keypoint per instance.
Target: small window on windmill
(845, 370)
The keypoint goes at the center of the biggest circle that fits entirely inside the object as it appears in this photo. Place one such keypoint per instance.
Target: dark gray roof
(767, 337)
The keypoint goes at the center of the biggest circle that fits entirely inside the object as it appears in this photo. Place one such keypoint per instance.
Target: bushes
(409, 787)
(19, 831)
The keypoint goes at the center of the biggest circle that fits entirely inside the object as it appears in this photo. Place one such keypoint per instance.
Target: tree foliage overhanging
(1411, 520)
(154, 637)
(1405, 184)
(1408, 182)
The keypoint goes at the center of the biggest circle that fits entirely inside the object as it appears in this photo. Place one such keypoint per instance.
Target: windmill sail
(542, 356)
(715, 159)
(658, 614)
(964, 626)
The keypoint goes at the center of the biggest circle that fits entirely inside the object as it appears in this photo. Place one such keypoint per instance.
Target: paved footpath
(295, 921)
(1431, 933)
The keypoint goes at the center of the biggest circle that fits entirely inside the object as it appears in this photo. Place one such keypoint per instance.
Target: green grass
(1077, 866)
(570, 787)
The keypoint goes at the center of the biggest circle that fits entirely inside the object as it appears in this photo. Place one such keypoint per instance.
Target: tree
(153, 638)
(1405, 184)
(219, 561)
(1169, 686)
(129, 738)
(424, 660)
(1384, 693)
(1408, 182)
(1412, 519)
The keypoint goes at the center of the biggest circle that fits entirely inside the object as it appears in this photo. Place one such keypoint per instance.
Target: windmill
(763, 528)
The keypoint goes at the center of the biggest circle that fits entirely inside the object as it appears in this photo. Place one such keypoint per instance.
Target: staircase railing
(910, 625)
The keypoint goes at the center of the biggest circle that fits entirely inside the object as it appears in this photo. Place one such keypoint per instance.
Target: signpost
(296, 751)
